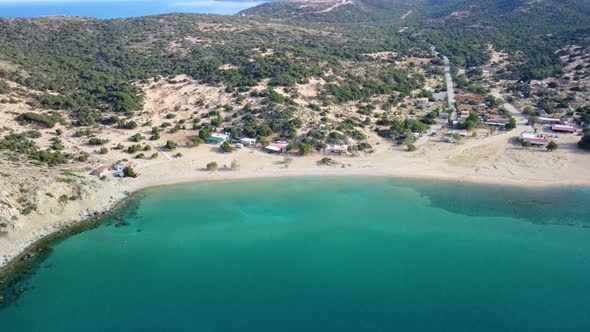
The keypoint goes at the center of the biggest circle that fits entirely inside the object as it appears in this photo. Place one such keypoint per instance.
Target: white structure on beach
(119, 167)
(337, 149)
(278, 147)
(248, 141)
(101, 172)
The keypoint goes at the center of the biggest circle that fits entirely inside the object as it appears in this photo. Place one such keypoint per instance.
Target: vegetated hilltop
(461, 28)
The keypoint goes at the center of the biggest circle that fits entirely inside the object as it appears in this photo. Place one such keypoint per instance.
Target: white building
(248, 141)
(337, 149)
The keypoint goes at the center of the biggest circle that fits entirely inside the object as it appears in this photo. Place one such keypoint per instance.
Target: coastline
(131, 189)
(493, 160)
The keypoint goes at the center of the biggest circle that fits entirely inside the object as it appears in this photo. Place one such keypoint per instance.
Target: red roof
(557, 127)
(102, 169)
(279, 145)
(536, 140)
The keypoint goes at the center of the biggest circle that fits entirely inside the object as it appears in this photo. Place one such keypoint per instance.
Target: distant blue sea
(120, 8)
(321, 254)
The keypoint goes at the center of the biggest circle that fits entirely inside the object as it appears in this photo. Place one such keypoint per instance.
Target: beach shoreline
(99, 207)
(495, 160)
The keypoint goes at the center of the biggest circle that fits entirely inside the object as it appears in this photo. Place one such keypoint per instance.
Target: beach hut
(563, 128)
(277, 147)
(119, 167)
(534, 139)
(549, 120)
(217, 138)
(462, 133)
(494, 121)
(337, 149)
(101, 172)
(248, 141)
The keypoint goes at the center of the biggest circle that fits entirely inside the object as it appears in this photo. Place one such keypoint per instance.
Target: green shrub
(136, 138)
(43, 120)
(133, 148)
(226, 147)
(304, 148)
(129, 172)
(212, 166)
(97, 141)
(170, 145)
(196, 141)
(552, 146)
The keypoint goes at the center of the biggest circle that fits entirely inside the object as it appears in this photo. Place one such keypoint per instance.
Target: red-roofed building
(534, 139)
(102, 171)
(563, 128)
(278, 147)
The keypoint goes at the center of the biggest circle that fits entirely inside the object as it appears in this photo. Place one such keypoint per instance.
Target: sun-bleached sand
(497, 159)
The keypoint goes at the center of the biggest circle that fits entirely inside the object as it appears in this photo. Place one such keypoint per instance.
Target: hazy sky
(167, 2)
(120, 8)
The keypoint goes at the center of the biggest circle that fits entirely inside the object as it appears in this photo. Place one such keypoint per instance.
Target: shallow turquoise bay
(322, 254)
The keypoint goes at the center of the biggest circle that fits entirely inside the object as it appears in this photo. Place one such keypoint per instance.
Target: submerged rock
(121, 223)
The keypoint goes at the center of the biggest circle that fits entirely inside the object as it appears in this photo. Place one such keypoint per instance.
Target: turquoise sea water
(121, 8)
(317, 254)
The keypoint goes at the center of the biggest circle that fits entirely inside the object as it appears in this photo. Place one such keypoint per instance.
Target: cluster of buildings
(553, 124)
(275, 147)
(117, 168)
(218, 138)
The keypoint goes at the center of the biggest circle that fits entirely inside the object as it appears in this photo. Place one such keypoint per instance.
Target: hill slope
(462, 29)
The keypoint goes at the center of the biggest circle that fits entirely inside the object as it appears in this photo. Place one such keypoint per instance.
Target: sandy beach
(497, 160)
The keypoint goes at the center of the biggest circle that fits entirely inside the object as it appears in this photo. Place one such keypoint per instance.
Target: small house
(337, 149)
(248, 141)
(217, 138)
(101, 172)
(496, 121)
(423, 102)
(462, 133)
(563, 128)
(119, 167)
(464, 115)
(534, 139)
(277, 147)
(549, 120)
